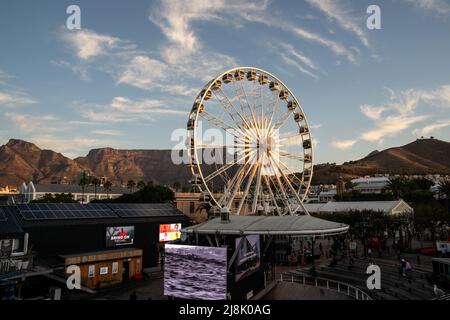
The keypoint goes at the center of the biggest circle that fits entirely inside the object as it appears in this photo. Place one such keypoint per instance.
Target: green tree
(56, 198)
(107, 186)
(96, 183)
(397, 186)
(131, 184)
(349, 185)
(149, 194)
(176, 185)
(141, 184)
(444, 189)
(84, 181)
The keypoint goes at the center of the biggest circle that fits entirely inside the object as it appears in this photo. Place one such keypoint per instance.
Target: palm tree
(131, 184)
(176, 185)
(396, 186)
(141, 185)
(84, 181)
(107, 186)
(95, 182)
(444, 189)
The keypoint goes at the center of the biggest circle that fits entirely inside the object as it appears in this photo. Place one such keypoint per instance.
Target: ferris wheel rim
(200, 100)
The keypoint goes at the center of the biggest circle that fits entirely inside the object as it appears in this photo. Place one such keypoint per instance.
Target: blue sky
(128, 78)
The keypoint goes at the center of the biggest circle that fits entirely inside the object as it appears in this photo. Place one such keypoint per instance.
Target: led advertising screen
(196, 273)
(119, 236)
(169, 232)
(249, 256)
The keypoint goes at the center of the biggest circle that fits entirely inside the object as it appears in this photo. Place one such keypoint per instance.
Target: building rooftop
(57, 214)
(269, 225)
(74, 188)
(383, 206)
(9, 226)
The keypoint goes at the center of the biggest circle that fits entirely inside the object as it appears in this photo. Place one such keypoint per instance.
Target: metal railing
(341, 287)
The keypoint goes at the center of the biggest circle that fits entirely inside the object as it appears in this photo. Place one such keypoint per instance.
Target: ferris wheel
(249, 145)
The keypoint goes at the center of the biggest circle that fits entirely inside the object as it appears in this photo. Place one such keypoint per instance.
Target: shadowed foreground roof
(269, 225)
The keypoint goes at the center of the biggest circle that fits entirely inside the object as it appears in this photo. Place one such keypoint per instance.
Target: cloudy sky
(128, 78)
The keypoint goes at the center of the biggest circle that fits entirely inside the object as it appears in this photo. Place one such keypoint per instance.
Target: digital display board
(169, 232)
(119, 236)
(249, 256)
(197, 273)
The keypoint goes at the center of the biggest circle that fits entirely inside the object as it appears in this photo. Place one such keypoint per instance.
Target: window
(104, 270)
(115, 267)
(91, 271)
(17, 245)
(191, 207)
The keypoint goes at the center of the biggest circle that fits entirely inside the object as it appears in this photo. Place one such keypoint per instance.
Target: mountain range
(24, 161)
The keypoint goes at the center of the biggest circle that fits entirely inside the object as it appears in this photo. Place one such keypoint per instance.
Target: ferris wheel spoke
(229, 107)
(240, 94)
(219, 123)
(290, 155)
(282, 120)
(247, 188)
(257, 188)
(300, 202)
(225, 168)
(299, 181)
(237, 185)
(234, 183)
(275, 105)
(282, 193)
(269, 188)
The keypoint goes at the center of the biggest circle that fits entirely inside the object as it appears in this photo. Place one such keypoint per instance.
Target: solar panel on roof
(3, 215)
(64, 211)
(125, 210)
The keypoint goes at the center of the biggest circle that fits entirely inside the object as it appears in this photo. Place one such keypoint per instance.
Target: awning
(269, 225)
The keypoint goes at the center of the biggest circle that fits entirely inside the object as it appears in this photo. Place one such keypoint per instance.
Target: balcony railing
(341, 287)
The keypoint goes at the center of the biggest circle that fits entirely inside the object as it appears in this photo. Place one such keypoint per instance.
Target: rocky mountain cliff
(23, 161)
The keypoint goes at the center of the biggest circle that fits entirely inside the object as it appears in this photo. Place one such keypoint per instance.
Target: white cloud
(344, 144)
(29, 123)
(89, 44)
(298, 55)
(79, 70)
(335, 47)
(335, 10)
(143, 72)
(70, 147)
(401, 113)
(439, 6)
(14, 99)
(391, 126)
(122, 109)
(425, 131)
(372, 112)
(295, 64)
(113, 133)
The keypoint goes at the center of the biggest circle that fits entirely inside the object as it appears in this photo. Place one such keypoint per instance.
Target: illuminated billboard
(119, 236)
(249, 256)
(169, 232)
(196, 273)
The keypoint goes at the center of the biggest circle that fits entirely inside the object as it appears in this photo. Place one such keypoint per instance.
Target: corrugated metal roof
(383, 206)
(169, 213)
(269, 225)
(10, 226)
(73, 188)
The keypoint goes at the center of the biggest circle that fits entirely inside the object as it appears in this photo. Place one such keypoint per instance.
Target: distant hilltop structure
(30, 191)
